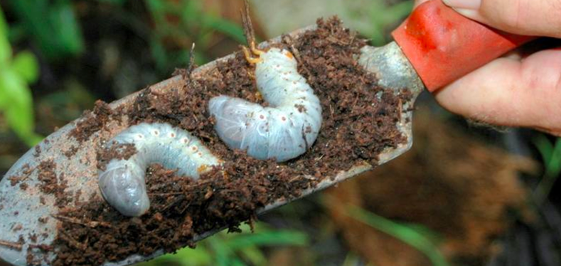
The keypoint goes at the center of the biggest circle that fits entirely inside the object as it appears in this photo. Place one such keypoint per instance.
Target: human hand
(515, 90)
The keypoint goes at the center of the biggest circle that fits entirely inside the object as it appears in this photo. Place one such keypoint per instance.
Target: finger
(511, 92)
(526, 17)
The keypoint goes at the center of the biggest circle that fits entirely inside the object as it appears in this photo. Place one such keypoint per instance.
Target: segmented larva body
(285, 129)
(122, 184)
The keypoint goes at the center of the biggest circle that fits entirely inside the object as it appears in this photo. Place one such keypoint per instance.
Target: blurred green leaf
(380, 16)
(551, 155)
(545, 147)
(188, 257)
(17, 33)
(26, 66)
(226, 27)
(16, 102)
(225, 249)
(402, 232)
(191, 22)
(555, 163)
(13, 90)
(269, 238)
(158, 53)
(3, 23)
(5, 47)
(17, 105)
(253, 255)
(221, 251)
(52, 25)
(114, 2)
(5, 50)
(64, 22)
(236, 262)
(156, 7)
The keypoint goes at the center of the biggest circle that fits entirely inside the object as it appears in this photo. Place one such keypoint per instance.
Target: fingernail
(463, 4)
(470, 13)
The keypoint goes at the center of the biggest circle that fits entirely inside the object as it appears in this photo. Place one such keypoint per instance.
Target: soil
(93, 121)
(357, 126)
(50, 183)
(464, 190)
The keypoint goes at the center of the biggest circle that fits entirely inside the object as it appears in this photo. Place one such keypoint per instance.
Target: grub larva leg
(249, 58)
(255, 50)
(122, 184)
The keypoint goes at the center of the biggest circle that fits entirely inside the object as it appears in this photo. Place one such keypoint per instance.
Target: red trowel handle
(443, 46)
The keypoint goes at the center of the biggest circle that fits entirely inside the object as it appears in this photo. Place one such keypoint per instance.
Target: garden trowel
(433, 47)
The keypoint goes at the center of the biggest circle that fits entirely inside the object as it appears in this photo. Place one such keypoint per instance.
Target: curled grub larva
(284, 130)
(122, 184)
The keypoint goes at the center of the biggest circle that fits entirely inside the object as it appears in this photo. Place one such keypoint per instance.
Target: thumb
(526, 17)
(418, 2)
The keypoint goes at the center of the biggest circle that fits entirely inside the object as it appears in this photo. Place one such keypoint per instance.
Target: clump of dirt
(92, 121)
(451, 183)
(18, 179)
(47, 177)
(357, 126)
(50, 183)
(115, 151)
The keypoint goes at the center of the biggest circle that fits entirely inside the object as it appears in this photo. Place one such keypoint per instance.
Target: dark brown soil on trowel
(357, 126)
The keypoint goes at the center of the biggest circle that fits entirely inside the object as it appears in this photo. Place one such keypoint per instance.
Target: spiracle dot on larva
(123, 184)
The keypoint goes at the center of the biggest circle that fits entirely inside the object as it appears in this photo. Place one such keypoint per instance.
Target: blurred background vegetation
(58, 56)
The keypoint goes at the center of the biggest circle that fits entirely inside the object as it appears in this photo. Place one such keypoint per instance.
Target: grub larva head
(123, 187)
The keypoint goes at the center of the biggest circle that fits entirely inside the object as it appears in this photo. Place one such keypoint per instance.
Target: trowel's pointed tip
(58, 173)
(10, 257)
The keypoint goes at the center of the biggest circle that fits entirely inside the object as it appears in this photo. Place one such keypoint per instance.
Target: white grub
(122, 184)
(285, 129)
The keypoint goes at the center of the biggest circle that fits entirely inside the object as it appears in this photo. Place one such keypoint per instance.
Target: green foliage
(191, 22)
(225, 249)
(417, 236)
(381, 16)
(52, 25)
(114, 2)
(551, 155)
(16, 74)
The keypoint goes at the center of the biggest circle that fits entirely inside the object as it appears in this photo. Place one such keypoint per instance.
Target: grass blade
(401, 232)
(271, 238)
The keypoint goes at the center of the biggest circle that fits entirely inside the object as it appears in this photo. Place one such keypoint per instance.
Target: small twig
(185, 208)
(290, 41)
(294, 179)
(304, 137)
(71, 241)
(12, 245)
(353, 36)
(91, 224)
(166, 194)
(248, 31)
(173, 203)
(400, 110)
(42, 247)
(191, 66)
